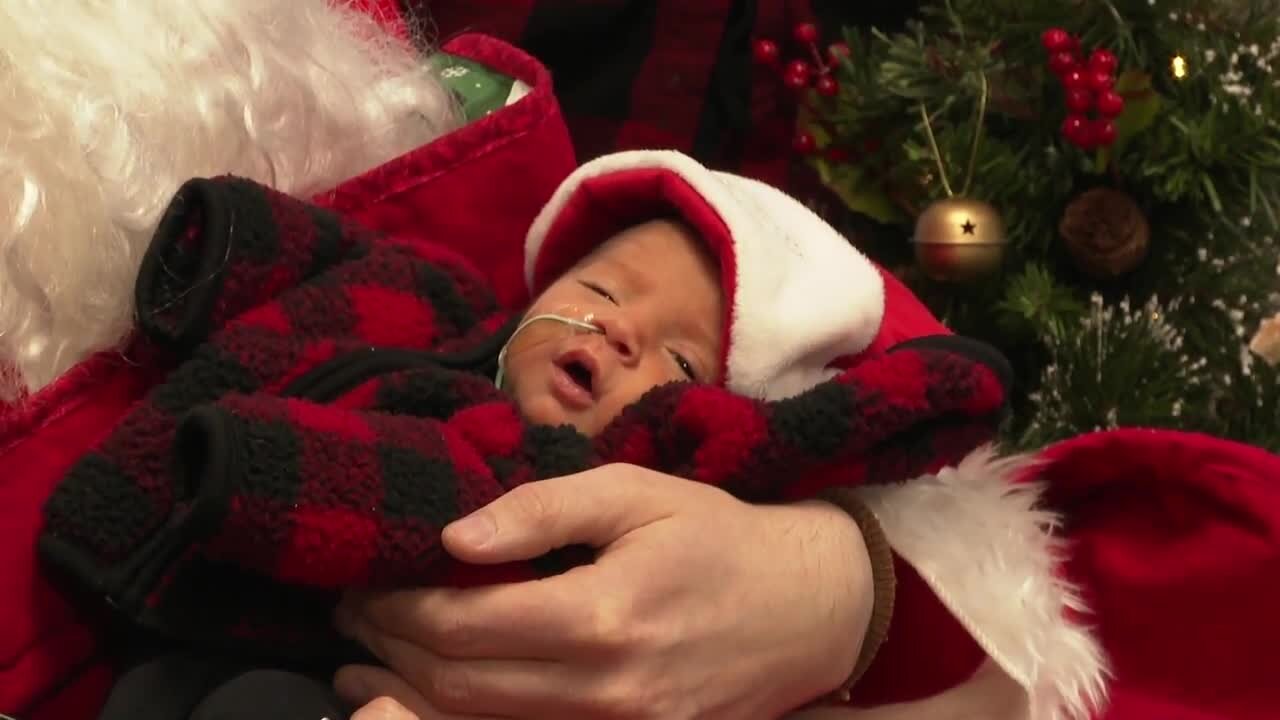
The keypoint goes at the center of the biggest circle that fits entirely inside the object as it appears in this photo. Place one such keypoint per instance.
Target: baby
(653, 292)
(335, 404)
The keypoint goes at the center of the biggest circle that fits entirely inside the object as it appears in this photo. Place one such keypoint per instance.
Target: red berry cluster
(800, 74)
(1089, 86)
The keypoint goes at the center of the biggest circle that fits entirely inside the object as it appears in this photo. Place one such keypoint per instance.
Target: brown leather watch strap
(884, 582)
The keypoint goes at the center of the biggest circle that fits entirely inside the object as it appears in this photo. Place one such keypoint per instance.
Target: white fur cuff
(975, 535)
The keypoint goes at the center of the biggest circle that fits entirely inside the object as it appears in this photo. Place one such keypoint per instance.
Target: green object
(848, 183)
(479, 89)
(1197, 148)
(1141, 109)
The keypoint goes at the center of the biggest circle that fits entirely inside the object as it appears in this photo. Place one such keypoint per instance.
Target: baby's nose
(621, 335)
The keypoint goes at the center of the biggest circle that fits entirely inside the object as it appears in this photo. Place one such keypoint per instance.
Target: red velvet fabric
(482, 185)
(925, 652)
(1175, 539)
(46, 640)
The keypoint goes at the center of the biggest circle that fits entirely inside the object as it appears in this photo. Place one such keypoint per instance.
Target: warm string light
(1237, 62)
(1101, 329)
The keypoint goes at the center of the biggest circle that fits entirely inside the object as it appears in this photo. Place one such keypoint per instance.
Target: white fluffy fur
(107, 106)
(981, 542)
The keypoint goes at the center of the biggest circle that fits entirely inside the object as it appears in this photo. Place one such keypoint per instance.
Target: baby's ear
(967, 347)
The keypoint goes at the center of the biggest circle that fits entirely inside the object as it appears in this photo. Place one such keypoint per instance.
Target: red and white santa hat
(801, 302)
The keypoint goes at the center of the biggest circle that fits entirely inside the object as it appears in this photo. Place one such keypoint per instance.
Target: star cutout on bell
(959, 240)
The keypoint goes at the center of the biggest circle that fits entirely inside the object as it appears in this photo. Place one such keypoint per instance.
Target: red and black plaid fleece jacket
(328, 421)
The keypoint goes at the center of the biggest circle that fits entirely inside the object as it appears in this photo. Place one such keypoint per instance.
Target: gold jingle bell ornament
(960, 240)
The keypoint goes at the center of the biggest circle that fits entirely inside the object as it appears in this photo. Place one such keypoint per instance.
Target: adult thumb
(379, 693)
(592, 508)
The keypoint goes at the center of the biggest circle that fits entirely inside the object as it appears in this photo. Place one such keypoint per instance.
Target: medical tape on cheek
(571, 318)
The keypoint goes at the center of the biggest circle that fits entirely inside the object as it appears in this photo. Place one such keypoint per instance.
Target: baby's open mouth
(580, 369)
(575, 379)
(579, 373)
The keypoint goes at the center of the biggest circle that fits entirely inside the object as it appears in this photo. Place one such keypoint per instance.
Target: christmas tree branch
(1198, 152)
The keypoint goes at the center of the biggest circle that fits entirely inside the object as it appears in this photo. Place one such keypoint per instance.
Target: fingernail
(475, 530)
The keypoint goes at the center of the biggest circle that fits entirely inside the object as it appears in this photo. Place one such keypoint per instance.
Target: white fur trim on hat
(801, 299)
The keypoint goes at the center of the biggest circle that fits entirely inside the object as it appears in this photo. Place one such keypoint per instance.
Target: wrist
(883, 581)
(842, 567)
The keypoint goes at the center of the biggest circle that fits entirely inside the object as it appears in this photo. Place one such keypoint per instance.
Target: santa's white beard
(107, 106)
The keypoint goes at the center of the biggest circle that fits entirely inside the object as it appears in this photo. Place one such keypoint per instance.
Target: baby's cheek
(540, 408)
(536, 413)
(531, 405)
(517, 372)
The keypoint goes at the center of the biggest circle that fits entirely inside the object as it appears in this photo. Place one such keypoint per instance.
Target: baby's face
(655, 294)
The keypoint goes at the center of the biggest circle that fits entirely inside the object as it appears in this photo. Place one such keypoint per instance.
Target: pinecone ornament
(1106, 232)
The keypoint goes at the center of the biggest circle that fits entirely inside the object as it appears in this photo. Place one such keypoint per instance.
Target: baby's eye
(598, 290)
(685, 366)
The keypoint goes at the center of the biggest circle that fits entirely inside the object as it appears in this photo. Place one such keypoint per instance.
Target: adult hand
(698, 606)
(384, 708)
(990, 694)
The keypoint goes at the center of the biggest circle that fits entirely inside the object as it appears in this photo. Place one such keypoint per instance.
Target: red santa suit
(1119, 576)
